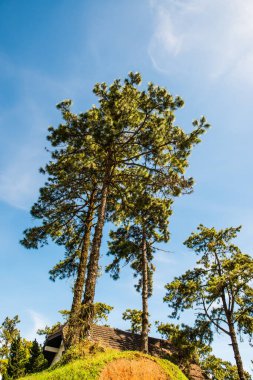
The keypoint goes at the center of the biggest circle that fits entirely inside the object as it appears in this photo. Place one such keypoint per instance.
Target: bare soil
(133, 369)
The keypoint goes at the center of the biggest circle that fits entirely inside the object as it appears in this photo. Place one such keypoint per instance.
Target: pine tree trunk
(232, 333)
(92, 270)
(73, 334)
(235, 346)
(144, 330)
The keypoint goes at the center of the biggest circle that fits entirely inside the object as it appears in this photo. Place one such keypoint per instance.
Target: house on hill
(113, 338)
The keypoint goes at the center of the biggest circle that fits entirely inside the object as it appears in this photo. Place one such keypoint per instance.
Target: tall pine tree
(128, 136)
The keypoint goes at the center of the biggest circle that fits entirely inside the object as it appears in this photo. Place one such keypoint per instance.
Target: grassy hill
(112, 364)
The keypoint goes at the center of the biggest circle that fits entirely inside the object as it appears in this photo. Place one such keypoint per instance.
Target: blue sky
(52, 50)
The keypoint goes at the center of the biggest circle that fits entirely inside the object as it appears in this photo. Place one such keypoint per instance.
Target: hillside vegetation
(111, 364)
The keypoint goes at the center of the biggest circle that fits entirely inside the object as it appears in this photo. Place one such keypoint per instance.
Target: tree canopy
(129, 140)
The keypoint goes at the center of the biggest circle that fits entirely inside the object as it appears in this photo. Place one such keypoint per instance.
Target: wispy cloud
(23, 123)
(39, 321)
(211, 36)
(22, 155)
(165, 257)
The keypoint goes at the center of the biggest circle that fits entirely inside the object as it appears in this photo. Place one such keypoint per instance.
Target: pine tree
(219, 288)
(17, 359)
(127, 138)
(193, 345)
(8, 333)
(36, 362)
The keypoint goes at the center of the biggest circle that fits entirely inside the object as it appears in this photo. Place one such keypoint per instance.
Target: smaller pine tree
(36, 362)
(17, 359)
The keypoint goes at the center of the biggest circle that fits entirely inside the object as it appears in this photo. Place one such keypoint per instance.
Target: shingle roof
(124, 341)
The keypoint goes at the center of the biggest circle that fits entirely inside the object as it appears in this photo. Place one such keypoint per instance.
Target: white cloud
(39, 321)
(203, 36)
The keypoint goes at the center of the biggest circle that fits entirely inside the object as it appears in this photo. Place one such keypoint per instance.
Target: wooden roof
(127, 341)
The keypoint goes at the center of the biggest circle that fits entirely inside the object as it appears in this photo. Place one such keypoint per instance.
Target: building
(116, 339)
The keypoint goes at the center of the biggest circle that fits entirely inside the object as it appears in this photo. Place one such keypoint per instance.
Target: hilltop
(115, 365)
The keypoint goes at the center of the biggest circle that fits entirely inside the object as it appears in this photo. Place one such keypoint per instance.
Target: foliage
(36, 362)
(91, 367)
(49, 330)
(8, 333)
(192, 345)
(128, 138)
(102, 311)
(18, 356)
(80, 154)
(144, 206)
(82, 350)
(216, 368)
(219, 288)
(125, 245)
(189, 343)
(134, 243)
(135, 318)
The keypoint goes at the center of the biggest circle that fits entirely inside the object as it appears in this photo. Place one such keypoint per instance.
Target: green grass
(91, 367)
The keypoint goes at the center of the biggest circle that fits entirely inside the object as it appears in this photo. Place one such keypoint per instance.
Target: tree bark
(73, 334)
(92, 269)
(235, 346)
(144, 330)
